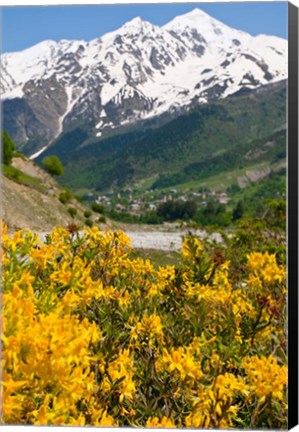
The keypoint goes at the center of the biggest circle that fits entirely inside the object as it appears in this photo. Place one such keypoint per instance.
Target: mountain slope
(34, 204)
(137, 72)
(210, 138)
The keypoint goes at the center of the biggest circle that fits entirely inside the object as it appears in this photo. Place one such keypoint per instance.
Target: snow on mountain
(136, 72)
(197, 26)
(32, 63)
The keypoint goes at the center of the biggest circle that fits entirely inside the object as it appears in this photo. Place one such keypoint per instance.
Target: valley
(222, 136)
(137, 74)
(141, 144)
(195, 168)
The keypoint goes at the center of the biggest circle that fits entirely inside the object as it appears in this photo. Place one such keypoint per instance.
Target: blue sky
(24, 26)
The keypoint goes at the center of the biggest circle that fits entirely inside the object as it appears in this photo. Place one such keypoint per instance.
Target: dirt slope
(36, 207)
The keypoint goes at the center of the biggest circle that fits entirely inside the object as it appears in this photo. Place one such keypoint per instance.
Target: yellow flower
(265, 267)
(198, 420)
(85, 336)
(149, 328)
(155, 422)
(265, 376)
(227, 385)
(43, 255)
(202, 402)
(44, 351)
(218, 295)
(63, 275)
(123, 298)
(103, 419)
(192, 289)
(180, 361)
(255, 260)
(191, 248)
(121, 368)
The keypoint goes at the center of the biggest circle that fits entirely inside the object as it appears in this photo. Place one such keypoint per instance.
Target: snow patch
(35, 155)
(13, 93)
(110, 124)
(109, 91)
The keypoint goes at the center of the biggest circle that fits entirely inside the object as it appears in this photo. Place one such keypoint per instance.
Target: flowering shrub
(92, 336)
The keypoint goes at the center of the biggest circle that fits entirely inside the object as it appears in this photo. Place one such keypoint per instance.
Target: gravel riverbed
(159, 240)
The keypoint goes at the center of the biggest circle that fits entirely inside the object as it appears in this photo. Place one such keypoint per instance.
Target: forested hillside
(236, 132)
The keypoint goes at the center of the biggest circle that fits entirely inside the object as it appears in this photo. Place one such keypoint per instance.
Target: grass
(145, 184)
(267, 188)
(83, 191)
(22, 178)
(157, 257)
(219, 182)
(17, 154)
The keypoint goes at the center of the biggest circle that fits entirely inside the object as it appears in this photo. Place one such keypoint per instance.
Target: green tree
(53, 165)
(210, 210)
(173, 210)
(87, 213)
(98, 208)
(72, 211)
(189, 209)
(238, 211)
(8, 147)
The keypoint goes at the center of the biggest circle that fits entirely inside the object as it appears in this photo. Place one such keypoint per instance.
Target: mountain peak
(135, 25)
(195, 17)
(137, 21)
(197, 13)
(213, 31)
(41, 46)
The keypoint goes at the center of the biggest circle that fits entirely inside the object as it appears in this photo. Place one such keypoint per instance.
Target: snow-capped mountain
(136, 72)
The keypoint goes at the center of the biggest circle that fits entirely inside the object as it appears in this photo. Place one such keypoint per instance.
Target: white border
(111, 2)
(106, 2)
